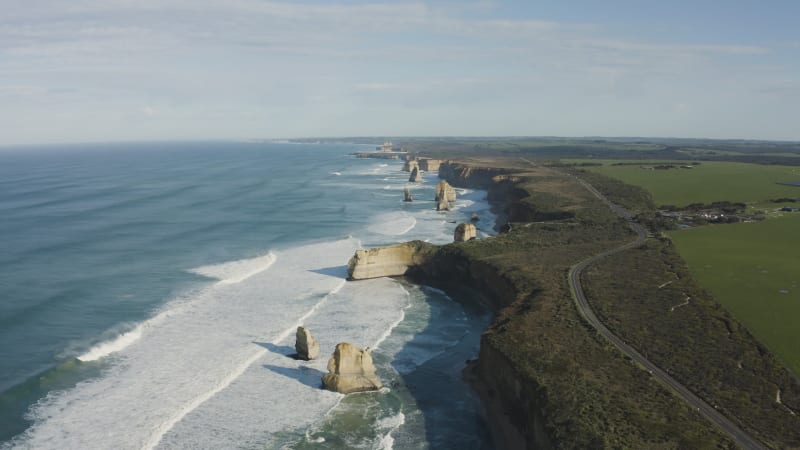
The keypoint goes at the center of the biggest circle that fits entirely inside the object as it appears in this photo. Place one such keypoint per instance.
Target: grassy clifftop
(564, 386)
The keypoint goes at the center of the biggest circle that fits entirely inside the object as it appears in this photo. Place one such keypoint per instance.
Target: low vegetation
(589, 394)
(565, 380)
(648, 297)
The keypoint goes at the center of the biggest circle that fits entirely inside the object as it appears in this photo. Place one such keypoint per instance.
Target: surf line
(165, 427)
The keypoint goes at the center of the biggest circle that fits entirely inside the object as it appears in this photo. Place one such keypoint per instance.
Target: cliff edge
(391, 261)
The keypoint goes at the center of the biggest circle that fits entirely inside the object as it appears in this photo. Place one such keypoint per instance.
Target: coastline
(541, 370)
(234, 301)
(504, 434)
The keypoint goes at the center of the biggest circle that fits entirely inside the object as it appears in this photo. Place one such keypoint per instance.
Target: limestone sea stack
(442, 205)
(409, 165)
(416, 175)
(464, 232)
(407, 195)
(306, 346)
(474, 217)
(350, 369)
(445, 191)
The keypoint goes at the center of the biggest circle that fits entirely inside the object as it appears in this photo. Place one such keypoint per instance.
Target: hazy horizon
(176, 70)
(343, 140)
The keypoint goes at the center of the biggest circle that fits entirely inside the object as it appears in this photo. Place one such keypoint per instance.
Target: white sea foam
(216, 361)
(393, 423)
(393, 224)
(236, 271)
(211, 369)
(394, 324)
(127, 338)
(176, 417)
(106, 348)
(435, 290)
(236, 373)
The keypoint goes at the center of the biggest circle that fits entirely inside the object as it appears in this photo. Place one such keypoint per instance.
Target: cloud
(289, 65)
(149, 111)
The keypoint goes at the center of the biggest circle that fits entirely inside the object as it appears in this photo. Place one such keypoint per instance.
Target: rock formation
(445, 191)
(464, 232)
(409, 165)
(429, 165)
(407, 195)
(306, 346)
(474, 217)
(416, 175)
(442, 205)
(350, 369)
(388, 261)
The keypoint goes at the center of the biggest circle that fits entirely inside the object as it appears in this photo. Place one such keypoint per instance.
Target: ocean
(151, 293)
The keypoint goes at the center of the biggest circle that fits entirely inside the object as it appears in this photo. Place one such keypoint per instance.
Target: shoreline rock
(350, 369)
(465, 232)
(445, 192)
(407, 195)
(416, 175)
(394, 260)
(305, 345)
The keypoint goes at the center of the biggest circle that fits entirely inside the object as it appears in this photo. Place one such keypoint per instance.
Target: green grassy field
(709, 182)
(754, 270)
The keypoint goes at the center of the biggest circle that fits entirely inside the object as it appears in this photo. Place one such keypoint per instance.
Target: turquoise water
(151, 291)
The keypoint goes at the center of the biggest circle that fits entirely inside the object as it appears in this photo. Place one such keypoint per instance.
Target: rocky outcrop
(474, 217)
(390, 261)
(350, 369)
(445, 191)
(464, 175)
(407, 195)
(416, 175)
(515, 396)
(410, 164)
(512, 395)
(464, 232)
(305, 345)
(429, 165)
(442, 205)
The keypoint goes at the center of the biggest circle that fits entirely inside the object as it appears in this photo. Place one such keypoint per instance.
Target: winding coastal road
(741, 438)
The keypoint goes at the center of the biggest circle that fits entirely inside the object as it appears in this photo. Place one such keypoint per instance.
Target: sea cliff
(546, 378)
(509, 398)
(391, 261)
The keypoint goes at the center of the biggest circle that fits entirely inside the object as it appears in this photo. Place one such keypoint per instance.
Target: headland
(546, 373)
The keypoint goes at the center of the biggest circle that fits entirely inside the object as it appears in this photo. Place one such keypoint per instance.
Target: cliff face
(429, 165)
(512, 394)
(463, 175)
(389, 261)
(409, 165)
(501, 187)
(516, 398)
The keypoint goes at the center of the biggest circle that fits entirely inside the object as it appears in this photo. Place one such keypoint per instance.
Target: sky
(144, 70)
